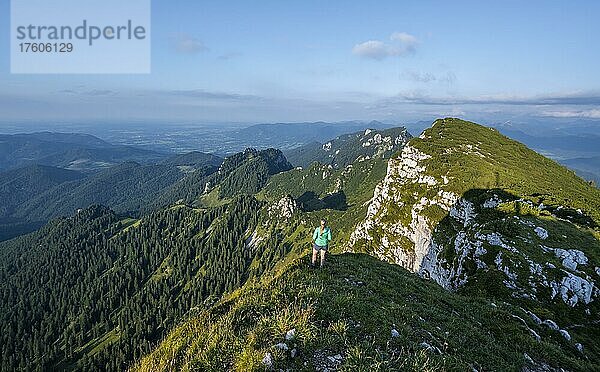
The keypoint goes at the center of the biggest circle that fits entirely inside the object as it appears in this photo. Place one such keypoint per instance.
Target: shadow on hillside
(310, 201)
(534, 204)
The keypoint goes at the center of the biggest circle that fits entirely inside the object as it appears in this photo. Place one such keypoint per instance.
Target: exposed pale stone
(541, 232)
(496, 239)
(291, 334)
(551, 324)
(267, 360)
(463, 211)
(534, 317)
(253, 240)
(284, 208)
(571, 258)
(565, 334)
(282, 346)
(573, 289)
(493, 202)
(409, 239)
(402, 170)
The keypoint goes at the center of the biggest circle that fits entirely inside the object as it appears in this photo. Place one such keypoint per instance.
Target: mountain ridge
(494, 230)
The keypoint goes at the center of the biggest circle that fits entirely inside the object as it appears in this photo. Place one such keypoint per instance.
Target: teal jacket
(322, 239)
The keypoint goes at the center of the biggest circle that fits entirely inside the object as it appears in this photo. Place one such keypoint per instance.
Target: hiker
(321, 238)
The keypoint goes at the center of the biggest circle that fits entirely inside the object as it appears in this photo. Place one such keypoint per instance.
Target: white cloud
(447, 78)
(419, 77)
(581, 99)
(407, 42)
(588, 114)
(92, 93)
(401, 44)
(374, 49)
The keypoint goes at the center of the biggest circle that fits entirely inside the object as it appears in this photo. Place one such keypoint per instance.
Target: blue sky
(267, 61)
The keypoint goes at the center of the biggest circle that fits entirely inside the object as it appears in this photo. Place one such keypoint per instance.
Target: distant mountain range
(579, 151)
(290, 135)
(560, 139)
(558, 144)
(588, 168)
(78, 152)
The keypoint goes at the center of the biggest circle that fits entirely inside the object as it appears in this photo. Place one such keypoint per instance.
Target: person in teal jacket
(321, 238)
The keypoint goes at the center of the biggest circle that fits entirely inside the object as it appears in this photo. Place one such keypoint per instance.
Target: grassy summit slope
(472, 156)
(343, 317)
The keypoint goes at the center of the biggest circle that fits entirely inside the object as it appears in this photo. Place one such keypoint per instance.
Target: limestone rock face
(284, 208)
(391, 246)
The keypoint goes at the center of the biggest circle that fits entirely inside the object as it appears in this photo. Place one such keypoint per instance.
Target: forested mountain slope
(121, 283)
(126, 187)
(19, 185)
(105, 288)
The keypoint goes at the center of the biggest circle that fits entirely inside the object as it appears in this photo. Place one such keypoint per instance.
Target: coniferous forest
(91, 278)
